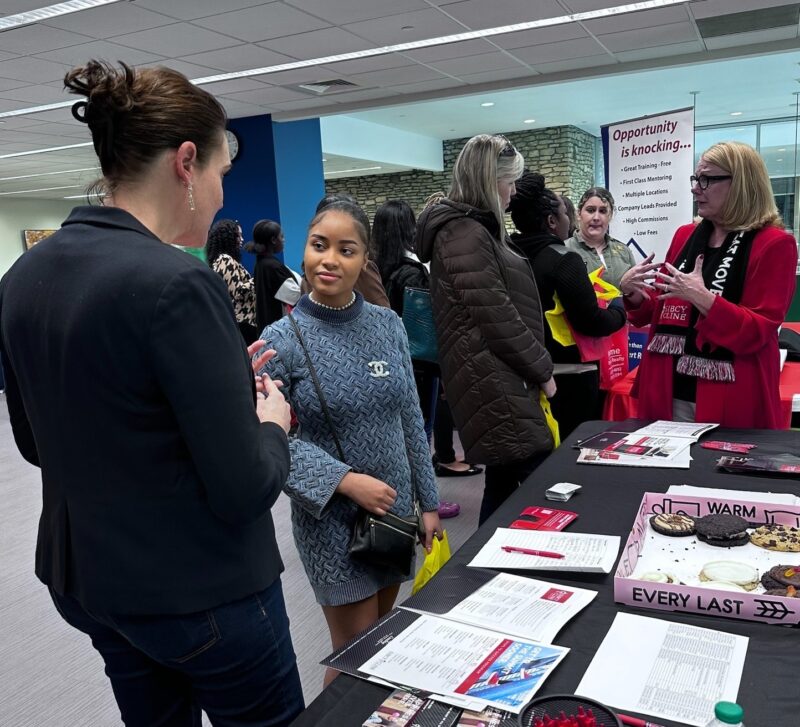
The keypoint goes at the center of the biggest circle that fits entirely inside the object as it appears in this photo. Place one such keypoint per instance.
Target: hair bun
(108, 90)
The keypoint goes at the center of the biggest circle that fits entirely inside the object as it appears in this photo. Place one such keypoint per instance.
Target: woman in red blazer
(717, 302)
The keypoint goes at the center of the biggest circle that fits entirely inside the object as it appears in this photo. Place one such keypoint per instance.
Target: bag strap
(317, 386)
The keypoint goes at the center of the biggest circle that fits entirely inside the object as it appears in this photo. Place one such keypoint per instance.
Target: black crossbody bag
(387, 541)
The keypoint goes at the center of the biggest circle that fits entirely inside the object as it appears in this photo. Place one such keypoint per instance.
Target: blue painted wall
(278, 176)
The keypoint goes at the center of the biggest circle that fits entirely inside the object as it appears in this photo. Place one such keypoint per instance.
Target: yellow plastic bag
(559, 327)
(439, 555)
(552, 424)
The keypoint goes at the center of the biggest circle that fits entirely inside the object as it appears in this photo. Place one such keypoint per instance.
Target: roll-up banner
(648, 162)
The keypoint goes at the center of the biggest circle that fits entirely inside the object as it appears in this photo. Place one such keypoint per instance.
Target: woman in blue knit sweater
(360, 353)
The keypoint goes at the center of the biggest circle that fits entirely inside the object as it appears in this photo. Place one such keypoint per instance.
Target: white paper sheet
(637, 450)
(691, 430)
(445, 657)
(665, 669)
(522, 607)
(583, 552)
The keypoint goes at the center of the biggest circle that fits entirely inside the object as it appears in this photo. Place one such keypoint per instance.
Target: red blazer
(749, 330)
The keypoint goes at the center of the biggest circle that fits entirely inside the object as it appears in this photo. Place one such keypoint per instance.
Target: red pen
(635, 721)
(528, 551)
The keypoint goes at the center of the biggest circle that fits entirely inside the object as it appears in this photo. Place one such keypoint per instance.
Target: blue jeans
(235, 662)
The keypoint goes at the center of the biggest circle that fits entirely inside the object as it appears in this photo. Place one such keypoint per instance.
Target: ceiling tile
(502, 74)
(366, 65)
(297, 75)
(32, 70)
(341, 12)
(646, 37)
(35, 95)
(266, 95)
(237, 109)
(406, 27)
(642, 19)
(103, 50)
(190, 70)
(37, 38)
(660, 51)
(554, 34)
(460, 67)
(183, 10)
(239, 58)
(297, 105)
(178, 39)
(109, 20)
(571, 64)
(7, 83)
(451, 50)
(479, 14)
(550, 52)
(438, 84)
(318, 43)
(394, 76)
(235, 85)
(263, 22)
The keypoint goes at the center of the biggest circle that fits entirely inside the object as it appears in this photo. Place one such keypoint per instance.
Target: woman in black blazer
(129, 385)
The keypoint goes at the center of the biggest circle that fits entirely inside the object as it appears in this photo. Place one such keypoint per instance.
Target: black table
(607, 504)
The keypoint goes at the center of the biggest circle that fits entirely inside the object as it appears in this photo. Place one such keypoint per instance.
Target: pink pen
(528, 551)
(635, 721)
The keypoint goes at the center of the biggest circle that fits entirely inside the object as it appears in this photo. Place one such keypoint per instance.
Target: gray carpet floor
(50, 676)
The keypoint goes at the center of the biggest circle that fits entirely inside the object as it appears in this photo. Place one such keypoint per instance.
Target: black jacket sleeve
(241, 462)
(577, 295)
(407, 275)
(20, 424)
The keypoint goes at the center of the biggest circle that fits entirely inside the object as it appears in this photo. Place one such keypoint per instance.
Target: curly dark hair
(223, 239)
(533, 204)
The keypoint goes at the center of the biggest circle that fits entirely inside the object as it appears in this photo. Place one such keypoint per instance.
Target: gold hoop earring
(190, 193)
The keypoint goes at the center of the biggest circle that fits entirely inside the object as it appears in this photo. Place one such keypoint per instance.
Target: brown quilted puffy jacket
(490, 331)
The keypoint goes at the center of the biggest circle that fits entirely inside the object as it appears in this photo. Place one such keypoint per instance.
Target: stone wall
(564, 154)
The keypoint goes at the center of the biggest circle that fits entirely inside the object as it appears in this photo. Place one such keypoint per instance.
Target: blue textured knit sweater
(361, 358)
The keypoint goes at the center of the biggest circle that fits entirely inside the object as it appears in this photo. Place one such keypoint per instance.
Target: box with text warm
(669, 573)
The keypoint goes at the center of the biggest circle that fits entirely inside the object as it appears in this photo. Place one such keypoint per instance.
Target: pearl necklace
(333, 307)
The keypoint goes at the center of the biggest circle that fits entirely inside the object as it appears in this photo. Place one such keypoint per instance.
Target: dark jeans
(503, 479)
(435, 411)
(234, 661)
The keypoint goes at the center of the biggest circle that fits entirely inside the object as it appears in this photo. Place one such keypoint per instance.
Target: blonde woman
(488, 318)
(718, 300)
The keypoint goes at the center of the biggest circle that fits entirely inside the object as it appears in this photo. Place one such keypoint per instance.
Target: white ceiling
(207, 37)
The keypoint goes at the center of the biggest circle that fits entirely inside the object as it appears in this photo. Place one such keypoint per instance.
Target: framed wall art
(31, 237)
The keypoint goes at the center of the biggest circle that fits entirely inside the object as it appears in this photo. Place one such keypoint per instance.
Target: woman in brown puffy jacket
(489, 322)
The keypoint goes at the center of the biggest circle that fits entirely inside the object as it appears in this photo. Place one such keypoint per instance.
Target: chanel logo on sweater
(378, 369)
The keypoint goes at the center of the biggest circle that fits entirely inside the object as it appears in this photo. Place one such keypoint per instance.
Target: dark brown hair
(135, 115)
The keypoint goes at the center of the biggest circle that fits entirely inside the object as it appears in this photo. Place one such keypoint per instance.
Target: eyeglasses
(704, 180)
(508, 150)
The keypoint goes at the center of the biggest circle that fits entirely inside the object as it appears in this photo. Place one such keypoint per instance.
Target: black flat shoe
(442, 471)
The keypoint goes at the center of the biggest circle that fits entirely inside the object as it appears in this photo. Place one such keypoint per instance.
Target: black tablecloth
(608, 504)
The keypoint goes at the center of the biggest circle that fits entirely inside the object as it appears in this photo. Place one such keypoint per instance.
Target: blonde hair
(483, 161)
(750, 204)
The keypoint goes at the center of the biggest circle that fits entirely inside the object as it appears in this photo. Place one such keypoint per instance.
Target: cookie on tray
(673, 524)
(783, 538)
(770, 583)
(722, 531)
(788, 592)
(730, 571)
(785, 575)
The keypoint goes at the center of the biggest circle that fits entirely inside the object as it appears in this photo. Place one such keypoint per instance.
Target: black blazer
(129, 385)
(270, 274)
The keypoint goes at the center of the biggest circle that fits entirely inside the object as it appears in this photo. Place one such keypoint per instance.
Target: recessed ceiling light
(779, 160)
(324, 160)
(529, 121)
(736, 113)
(784, 149)
(487, 104)
(51, 11)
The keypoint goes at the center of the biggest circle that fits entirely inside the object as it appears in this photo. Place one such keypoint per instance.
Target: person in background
(360, 354)
(223, 254)
(276, 285)
(135, 396)
(592, 241)
(570, 209)
(393, 229)
(541, 219)
(717, 303)
(369, 282)
(488, 317)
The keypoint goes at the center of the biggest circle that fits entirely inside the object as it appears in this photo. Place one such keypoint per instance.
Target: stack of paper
(660, 444)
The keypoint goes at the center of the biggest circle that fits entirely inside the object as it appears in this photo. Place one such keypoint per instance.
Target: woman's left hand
(686, 286)
(433, 527)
